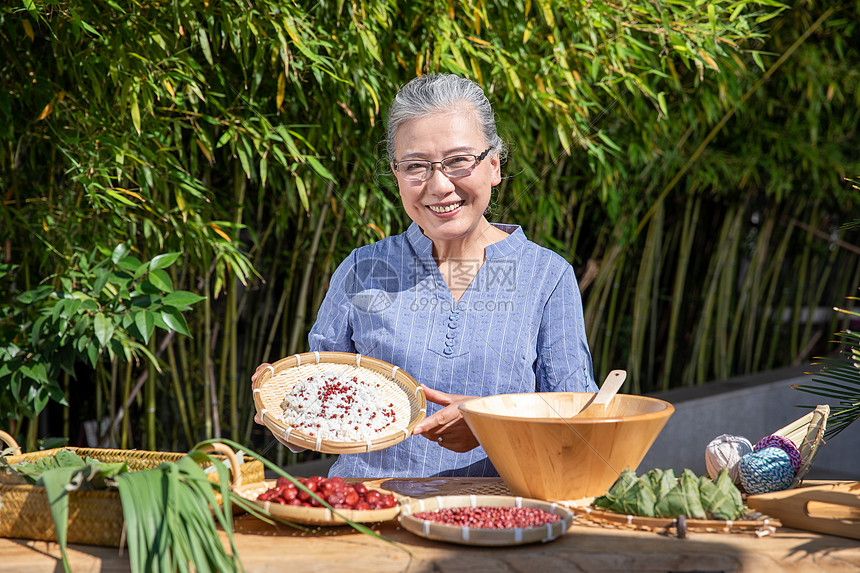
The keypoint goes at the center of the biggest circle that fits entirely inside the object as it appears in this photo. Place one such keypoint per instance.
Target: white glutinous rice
(341, 408)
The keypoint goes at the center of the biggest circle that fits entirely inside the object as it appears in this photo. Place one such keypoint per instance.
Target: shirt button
(453, 324)
(448, 350)
(449, 334)
(449, 342)
(454, 316)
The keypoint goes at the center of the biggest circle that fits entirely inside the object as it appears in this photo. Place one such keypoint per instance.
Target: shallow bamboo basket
(277, 380)
(807, 433)
(95, 517)
(542, 449)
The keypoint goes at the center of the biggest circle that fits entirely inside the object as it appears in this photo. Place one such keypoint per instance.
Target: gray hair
(435, 93)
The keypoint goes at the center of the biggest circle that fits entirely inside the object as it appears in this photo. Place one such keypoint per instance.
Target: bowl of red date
(351, 501)
(490, 520)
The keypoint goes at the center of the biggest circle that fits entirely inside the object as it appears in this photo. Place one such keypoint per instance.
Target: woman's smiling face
(446, 209)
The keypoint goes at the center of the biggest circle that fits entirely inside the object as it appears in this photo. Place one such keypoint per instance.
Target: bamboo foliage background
(687, 158)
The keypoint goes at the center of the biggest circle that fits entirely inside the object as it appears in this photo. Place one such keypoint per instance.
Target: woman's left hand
(447, 426)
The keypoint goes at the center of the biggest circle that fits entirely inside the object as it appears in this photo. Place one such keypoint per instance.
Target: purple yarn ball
(783, 444)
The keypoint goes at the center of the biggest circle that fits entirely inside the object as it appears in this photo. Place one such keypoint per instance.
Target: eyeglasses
(453, 167)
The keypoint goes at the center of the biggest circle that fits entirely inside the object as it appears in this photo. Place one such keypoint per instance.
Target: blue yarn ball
(766, 470)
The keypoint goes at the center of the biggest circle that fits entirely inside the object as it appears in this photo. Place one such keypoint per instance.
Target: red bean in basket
(334, 491)
(487, 517)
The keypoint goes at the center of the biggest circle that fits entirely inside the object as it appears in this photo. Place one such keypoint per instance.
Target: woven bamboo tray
(276, 381)
(316, 515)
(751, 522)
(95, 517)
(479, 536)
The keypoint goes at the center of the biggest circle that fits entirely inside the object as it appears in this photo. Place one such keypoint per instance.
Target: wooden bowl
(542, 449)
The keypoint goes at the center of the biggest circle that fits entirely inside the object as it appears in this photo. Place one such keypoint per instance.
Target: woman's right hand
(293, 447)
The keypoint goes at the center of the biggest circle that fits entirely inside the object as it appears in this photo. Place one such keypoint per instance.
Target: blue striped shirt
(518, 327)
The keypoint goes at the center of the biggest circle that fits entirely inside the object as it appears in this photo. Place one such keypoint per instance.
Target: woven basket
(276, 381)
(807, 433)
(95, 517)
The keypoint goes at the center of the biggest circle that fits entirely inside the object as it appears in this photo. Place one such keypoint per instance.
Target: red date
(334, 491)
(490, 517)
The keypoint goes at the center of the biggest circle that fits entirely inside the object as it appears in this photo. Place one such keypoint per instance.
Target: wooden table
(585, 547)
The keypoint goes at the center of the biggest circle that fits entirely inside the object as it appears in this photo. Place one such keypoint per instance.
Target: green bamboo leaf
(182, 298)
(303, 193)
(92, 354)
(161, 280)
(175, 321)
(245, 160)
(319, 168)
(135, 112)
(102, 276)
(120, 252)
(163, 261)
(103, 329)
(264, 171)
(145, 323)
(54, 481)
(204, 45)
(661, 100)
(130, 264)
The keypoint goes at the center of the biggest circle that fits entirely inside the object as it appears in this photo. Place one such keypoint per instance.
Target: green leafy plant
(106, 304)
(172, 512)
(839, 378)
(59, 474)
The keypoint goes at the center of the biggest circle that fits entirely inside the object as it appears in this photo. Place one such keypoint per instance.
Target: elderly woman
(468, 308)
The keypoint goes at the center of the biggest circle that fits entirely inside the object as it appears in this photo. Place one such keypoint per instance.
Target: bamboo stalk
(286, 317)
(724, 355)
(697, 370)
(213, 424)
(239, 188)
(322, 284)
(112, 394)
(773, 280)
(800, 286)
(642, 300)
(231, 339)
(301, 303)
(66, 413)
(32, 432)
(150, 389)
(189, 387)
(179, 396)
(597, 299)
(223, 359)
(126, 390)
(778, 327)
(577, 229)
(812, 304)
(612, 321)
(750, 294)
(691, 219)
